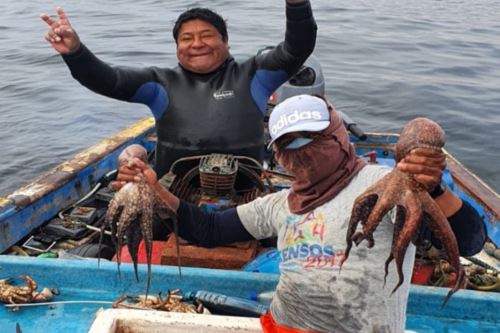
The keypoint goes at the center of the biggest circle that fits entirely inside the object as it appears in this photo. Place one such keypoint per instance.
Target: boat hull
(467, 311)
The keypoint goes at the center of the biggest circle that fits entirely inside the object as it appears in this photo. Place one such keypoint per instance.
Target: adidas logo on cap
(294, 117)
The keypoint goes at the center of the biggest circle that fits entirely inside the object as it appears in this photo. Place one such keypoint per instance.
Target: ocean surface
(385, 62)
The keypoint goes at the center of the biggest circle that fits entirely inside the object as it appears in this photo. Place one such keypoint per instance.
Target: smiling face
(200, 47)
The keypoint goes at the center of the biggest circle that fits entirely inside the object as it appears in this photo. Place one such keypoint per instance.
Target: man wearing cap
(209, 103)
(310, 221)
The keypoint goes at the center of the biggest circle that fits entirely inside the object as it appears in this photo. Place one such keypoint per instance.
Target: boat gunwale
(60, 174)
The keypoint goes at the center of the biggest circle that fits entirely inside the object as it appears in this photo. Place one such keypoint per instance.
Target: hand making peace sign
(61, 35)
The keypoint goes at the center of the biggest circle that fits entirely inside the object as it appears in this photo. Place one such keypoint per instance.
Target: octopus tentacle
(441, 229)
(112, 218)
(398, 225)
(383, 205)
(134, 238)
(147, 235)
(412, 222)
(360, 211)
(128, 215)
(126, 219)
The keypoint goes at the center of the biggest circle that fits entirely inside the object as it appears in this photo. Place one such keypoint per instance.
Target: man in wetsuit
(209, 103)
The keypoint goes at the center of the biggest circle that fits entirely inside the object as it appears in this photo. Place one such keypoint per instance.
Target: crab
(172, 303)
(12, 294)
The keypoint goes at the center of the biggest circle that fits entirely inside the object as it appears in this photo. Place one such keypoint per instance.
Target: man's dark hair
(203, 14)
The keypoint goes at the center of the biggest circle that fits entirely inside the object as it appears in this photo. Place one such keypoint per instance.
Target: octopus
(414, 206)
(130, 214)
(12, 294)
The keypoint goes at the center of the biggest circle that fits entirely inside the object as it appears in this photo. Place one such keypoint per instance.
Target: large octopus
(415, 206)
(130, 214)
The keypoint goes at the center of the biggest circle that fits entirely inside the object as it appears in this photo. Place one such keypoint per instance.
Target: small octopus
(12, 294)
(414, 205)
(130, 213)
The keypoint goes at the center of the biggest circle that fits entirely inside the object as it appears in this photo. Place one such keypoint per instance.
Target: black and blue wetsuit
(218, 112)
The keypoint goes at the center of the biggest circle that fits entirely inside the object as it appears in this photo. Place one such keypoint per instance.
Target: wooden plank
(474, 187)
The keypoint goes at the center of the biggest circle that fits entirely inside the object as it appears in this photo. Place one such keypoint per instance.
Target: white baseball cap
(297, 114)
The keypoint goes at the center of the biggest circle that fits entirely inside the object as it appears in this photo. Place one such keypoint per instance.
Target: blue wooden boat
(28, 208)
